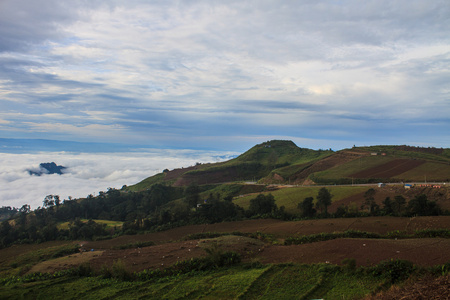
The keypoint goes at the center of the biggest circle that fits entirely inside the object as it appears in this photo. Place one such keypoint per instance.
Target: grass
(147, 183)
(23, 262)
(291, 197)
(109, 223)
(245, 281)
(221, 284)
(429, 171)
(285, 281)
(353, 166)
(344, 285)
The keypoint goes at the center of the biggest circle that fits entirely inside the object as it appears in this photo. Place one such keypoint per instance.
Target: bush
(119, 271)
(394, 270)
(349, 263)
(134, 245)
(83, 270)
(433, 233)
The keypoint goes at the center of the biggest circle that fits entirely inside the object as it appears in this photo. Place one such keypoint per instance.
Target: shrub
(349, 263)
(134, 245)
(83, 270)
(119, 271)
(394, 270)
(433, 233)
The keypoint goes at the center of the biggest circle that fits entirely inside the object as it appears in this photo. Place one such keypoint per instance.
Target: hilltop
(47, 168)
(283, 162)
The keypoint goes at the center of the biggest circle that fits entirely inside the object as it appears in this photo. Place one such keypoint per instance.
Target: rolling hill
(283, 162)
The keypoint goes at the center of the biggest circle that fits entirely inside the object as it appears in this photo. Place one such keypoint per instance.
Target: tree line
(162, 207)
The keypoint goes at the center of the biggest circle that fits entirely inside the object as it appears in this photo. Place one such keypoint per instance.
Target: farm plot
(389, 169)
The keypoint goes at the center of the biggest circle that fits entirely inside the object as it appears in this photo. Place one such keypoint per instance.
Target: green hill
(253, 165)
(283, 162)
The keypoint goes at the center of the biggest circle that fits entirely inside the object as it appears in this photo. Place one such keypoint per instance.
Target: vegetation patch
(355, 234)
(107, 223)
(134, 245)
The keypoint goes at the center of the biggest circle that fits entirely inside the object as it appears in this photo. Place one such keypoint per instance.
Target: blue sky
(226, 75)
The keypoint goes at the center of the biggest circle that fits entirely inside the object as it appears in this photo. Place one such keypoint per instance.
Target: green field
(108, 223)
(429, 171)
(291, 197)
(285, 281)
(352, 167)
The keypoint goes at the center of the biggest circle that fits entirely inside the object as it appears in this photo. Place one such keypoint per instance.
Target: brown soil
(423, 252)
(161, 256)
(170, 247)
(283, 229)
(389, 169)
(420, 289)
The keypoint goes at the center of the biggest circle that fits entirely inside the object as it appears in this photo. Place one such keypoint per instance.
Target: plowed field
(170, 247)
(389, 169)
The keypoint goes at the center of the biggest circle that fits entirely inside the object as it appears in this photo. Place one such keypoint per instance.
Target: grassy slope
(290, 197)
(437, 166)
(255, 163)
(365, 162)
(147, 183)
(430, 171)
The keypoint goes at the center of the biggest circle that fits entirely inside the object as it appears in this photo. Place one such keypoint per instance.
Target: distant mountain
(283, 162)
(47, 168)
(36, 145)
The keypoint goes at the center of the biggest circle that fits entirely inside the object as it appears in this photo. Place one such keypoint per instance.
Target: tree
(323, 200)
(307, 207)
(25, 209)
(262, 204)
(398, 206)
(422, 207)
(369, 201)
(192, 196)
(387, 206)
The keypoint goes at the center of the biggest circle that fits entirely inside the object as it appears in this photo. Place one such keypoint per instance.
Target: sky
(226, 75)
(119, 90)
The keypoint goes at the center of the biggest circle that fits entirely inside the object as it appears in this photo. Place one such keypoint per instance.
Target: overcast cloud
(226, 74)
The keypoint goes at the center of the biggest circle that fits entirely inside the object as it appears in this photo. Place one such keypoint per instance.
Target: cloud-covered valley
(87, 173)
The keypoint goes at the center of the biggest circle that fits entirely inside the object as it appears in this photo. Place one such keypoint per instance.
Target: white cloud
(87, 173)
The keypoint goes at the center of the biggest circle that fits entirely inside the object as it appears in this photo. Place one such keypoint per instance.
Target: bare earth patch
(65, 262)
(366, 252)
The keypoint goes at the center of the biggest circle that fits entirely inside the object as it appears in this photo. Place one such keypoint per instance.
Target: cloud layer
(87, 173)
(226, 75)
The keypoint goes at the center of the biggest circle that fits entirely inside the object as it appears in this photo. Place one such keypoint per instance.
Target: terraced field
(270, 268)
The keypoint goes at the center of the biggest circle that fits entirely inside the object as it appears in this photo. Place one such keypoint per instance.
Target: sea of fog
(88, 173)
